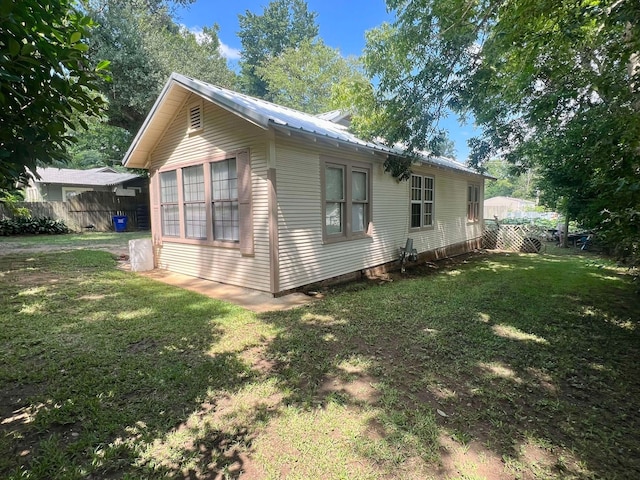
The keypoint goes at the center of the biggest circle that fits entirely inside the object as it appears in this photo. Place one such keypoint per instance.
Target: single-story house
(254, 194)
(510, 207)
(60, 184)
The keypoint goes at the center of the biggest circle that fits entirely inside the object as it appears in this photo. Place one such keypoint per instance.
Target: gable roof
(103, 176)
(257, 111)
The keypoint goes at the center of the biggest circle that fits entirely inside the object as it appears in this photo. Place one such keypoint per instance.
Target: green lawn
(72, 240)
(501, 367)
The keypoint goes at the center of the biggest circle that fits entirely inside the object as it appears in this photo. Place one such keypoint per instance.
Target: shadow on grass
(532, 359)
(99, 366)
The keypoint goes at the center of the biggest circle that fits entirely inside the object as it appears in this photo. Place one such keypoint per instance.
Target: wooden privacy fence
(514, 238)
(92, 208)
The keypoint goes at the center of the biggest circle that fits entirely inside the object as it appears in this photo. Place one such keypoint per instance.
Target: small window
(422, 201)
(359, 200)
(194, 118)
(473, 202)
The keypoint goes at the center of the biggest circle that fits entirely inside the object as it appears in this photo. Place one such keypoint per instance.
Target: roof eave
(131, 160)
(256, 118)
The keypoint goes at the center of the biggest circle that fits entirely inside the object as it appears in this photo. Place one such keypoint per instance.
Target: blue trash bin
(120, 223)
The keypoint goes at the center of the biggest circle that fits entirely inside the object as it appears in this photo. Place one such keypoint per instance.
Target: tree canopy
(145, 44)
(552, 84)
(283, 24)
(46, 78)
(303, 77)
(510, 181)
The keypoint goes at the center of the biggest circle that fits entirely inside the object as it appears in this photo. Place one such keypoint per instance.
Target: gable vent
(194, 119)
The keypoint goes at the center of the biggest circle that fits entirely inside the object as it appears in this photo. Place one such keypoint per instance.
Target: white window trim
(423, 201)
(473, 204)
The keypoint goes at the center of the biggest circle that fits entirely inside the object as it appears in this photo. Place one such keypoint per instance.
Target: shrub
(11, 200)
(30, 225)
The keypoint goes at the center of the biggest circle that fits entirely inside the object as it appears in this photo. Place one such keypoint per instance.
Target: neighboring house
(250, 193)
(509, 207)
(60, 184)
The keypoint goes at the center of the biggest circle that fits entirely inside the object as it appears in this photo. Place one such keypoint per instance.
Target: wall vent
(194, 118)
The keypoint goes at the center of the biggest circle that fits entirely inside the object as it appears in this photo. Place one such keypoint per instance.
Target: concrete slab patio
(250, 299)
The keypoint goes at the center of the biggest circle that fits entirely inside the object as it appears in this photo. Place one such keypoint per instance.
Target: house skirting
(378, 270)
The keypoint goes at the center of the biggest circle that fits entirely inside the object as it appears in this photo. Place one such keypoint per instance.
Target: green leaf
(14, 47)
(75, 37)
(103, 65)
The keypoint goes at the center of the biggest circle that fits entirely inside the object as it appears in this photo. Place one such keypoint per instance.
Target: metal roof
(95, 176)
(263, 114)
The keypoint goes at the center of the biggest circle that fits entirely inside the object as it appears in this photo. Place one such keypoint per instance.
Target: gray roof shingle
(67, 176)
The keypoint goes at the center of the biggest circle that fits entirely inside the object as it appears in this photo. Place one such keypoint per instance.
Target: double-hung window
(169, 209)
(224, 196)
(335, 198)
(422, 201)
(347, 204)
(473, 202)
(195, 208)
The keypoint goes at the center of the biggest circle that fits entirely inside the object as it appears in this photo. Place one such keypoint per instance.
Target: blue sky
(342, 23)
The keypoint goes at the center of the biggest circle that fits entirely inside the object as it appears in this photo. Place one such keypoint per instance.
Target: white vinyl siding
(305, 258)
(222, 136)
(304, 255)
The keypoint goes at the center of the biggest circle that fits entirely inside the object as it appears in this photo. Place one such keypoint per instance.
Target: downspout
(272, 198)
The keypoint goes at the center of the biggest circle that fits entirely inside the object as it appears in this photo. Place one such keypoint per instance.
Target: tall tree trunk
(565, 241)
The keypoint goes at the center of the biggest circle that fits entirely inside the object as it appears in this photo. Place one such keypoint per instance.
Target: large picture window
(422, 201)
(208, 202)
(347, 203)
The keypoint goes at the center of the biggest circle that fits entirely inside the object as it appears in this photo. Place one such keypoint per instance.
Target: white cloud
(228, 52)
(225, 50)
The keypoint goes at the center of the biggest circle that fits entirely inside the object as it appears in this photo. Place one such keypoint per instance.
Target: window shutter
(245, 210)
(194, 117)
